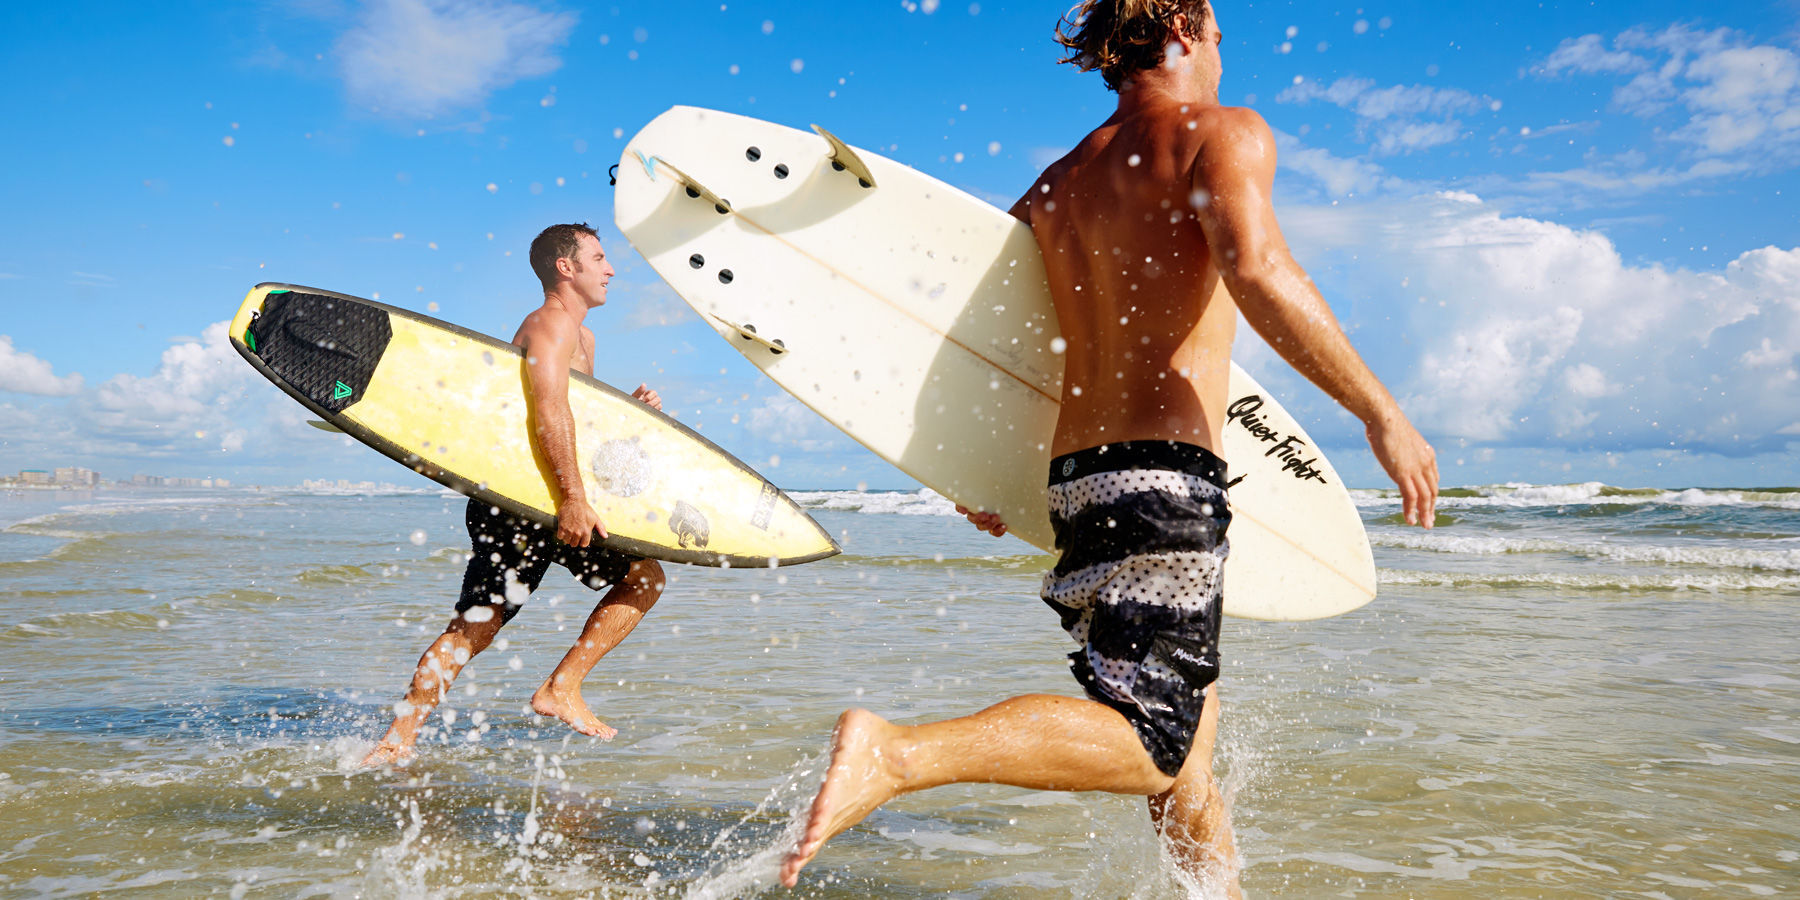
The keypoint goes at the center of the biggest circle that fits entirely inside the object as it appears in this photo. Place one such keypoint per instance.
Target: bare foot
(858, 780)
(570, 708)
(387, 753)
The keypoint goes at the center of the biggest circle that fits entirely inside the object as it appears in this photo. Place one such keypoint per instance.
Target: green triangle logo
(341, 391)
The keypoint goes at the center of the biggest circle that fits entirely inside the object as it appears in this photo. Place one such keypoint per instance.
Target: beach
(1563, 690)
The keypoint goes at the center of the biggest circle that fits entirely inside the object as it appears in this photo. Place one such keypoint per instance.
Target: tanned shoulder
(545, 329)
(1234, 138)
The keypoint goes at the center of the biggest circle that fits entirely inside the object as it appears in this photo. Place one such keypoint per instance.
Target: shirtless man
(1144, 227)
(511, 555)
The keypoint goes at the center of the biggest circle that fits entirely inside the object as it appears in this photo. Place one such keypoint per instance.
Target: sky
(1564, 234)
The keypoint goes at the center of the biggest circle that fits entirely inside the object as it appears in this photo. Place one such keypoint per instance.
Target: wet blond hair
(1121, 37)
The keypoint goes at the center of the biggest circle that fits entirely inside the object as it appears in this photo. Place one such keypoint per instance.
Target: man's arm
(547, 347)
(1232, 180)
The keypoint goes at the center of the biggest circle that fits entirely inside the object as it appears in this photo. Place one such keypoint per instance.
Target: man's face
(592, 271)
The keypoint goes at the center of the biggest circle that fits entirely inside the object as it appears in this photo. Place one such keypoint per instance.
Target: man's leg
(468, 634)
(618, 613)
(1191, 816)
(1035, 741)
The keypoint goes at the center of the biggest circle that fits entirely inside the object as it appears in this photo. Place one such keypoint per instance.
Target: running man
(1140, 226)
(511, 555)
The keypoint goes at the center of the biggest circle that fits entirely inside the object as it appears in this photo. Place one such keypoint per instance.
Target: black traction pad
(324, 347)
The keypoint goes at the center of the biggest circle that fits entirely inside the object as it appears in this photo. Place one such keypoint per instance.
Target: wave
(97, 622)
(1632, 583)
(1774, 560)
(1515, 494)
(923, 502)
(380, 490)
(1016, 561)
(926, 502)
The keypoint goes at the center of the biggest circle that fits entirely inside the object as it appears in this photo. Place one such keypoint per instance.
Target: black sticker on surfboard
(324, 347)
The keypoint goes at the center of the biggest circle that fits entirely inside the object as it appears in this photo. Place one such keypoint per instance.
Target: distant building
(76, 476)
(36, 476)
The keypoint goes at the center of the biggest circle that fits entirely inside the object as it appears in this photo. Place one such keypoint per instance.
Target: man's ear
(1180, 33)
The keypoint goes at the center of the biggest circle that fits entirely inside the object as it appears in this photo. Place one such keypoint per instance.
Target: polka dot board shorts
(1140, 526)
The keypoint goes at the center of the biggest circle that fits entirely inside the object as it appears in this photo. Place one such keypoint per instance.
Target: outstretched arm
(1232, 181)
(547, 348)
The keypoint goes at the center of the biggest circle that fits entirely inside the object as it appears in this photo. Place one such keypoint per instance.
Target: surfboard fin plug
(845, 159)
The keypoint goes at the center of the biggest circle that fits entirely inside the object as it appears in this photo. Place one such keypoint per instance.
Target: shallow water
(1563, 690)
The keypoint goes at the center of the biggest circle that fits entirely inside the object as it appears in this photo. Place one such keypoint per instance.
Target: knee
(646, 577)
(474, 628)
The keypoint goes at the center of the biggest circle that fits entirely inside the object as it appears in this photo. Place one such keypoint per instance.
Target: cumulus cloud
(783, 421)
(1397, 119)
(423, 58)
(1339, 176)
(1507, 330)
(202, 402)
(1738, 101)
(23, 373)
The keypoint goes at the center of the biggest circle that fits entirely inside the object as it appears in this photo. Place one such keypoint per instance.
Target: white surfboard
(917, 319)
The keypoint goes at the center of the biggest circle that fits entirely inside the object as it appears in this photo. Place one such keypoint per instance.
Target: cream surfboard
(917, 319)
(451, 405)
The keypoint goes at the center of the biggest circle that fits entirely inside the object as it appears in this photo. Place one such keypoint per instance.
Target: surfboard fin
(845, 159)
(324, 426)
(694, 188)
(748, 333)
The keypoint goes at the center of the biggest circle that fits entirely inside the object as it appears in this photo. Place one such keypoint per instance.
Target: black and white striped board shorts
(1140, 526)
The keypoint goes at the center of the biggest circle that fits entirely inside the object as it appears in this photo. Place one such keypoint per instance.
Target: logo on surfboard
(1290, 449)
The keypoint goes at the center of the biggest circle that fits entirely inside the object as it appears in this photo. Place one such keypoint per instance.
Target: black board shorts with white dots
(1140, 528)
(509, 556)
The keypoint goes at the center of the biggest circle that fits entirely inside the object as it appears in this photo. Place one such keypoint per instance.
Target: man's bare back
(1148, 334)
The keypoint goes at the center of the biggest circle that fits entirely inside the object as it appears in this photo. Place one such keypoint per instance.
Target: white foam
(1680, 582)
(1521, 495)
(923, 502)
(1718, 557)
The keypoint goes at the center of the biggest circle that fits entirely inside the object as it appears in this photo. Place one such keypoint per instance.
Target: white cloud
(23, 373)
(1516, 331)
(423, 58)
(1742, 100)
(1588, 54)
(202, 403)
(1340, 176)
(1397, 119)
(783, 421)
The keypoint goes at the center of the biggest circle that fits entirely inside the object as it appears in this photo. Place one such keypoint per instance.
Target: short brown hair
(1120, 37)
(554, 243)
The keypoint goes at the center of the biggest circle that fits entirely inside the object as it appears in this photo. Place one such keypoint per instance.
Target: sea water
(1562, 690)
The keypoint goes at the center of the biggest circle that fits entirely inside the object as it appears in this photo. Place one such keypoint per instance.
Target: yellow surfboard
(452, 405)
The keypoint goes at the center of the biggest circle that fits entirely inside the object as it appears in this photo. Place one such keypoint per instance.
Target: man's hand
(648, 396)
(1411, 462)
(576, 523)
(986, 521)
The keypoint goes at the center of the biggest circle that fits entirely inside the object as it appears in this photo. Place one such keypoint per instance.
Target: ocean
(1564, 690)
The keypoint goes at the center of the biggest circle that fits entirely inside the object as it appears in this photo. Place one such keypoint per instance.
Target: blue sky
(1566, 236)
